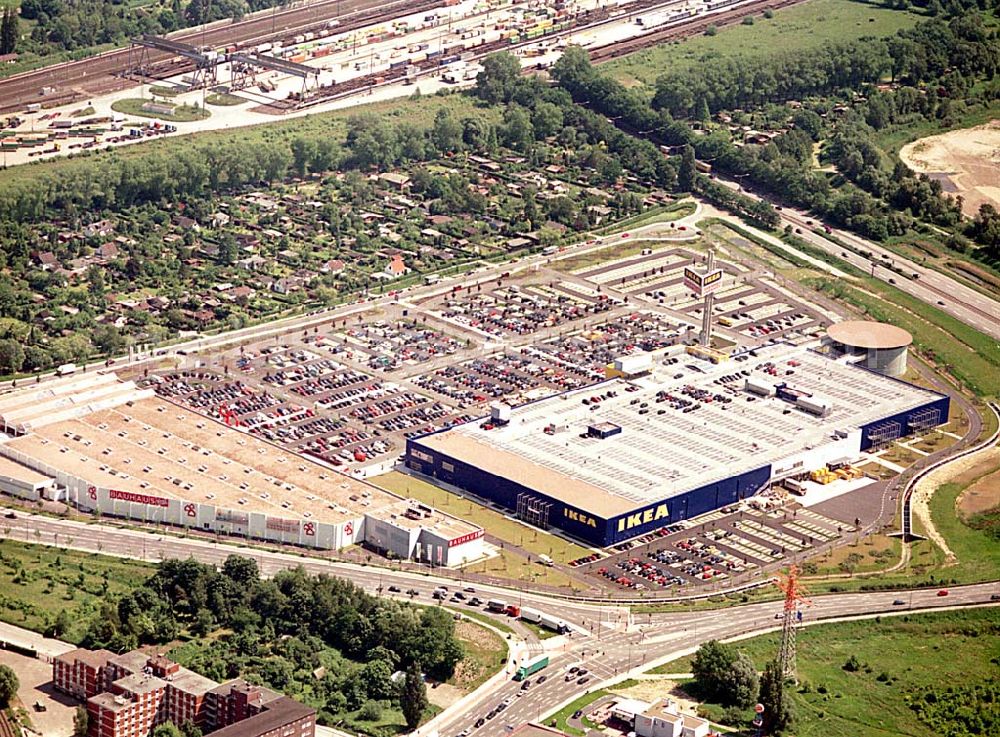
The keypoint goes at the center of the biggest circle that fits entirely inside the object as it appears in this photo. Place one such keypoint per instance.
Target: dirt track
(965, 161)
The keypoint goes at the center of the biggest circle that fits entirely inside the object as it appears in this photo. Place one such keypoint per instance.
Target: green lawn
(615, 251)
(660, 214)
(810, 25)
(495, 523)
(180, 114)
(901, 658)
(38, 581)
(225, 100)
(559, 719)
(977, 552)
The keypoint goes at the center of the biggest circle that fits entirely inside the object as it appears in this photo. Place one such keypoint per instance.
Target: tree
(11, 356)
(303, 153)
(710, 667)
(687, 174)
(81, 722)
(496, 82)
(9, 685)
(371, 711)
(242, 571)
(447, 132)
(743, 681)
(414, 697)
(61, 626)
(547, 118)
(376, 677)
(8, 32)
(167, 729)
(190, 729)
(517, 131)
(775, 698)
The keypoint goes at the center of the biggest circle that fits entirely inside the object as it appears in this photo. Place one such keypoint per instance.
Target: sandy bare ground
(962, 470)
(653, 689)
(984, 494)
(969, 159)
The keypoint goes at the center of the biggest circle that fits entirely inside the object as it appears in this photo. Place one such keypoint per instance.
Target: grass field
(224, 100)
(900, 657)
(978, 553)
(163, 91)
(37, 582)
(495, 523)
(810, 25)
(659, 214)
(485, 653)
(180, 114)
(616, 251)
(559, 719)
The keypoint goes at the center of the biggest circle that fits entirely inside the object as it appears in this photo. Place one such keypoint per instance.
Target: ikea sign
(653, 514)
(579, 517)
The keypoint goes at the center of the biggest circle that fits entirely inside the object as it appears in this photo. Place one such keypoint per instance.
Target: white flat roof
(664, 451)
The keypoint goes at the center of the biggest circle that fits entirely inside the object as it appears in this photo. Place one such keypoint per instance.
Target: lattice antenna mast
(794, 594)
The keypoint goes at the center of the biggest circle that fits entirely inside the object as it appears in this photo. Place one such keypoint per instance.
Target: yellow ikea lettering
(644, 517)
(580, 517)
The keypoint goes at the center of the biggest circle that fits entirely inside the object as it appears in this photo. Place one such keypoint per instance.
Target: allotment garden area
(194, 241)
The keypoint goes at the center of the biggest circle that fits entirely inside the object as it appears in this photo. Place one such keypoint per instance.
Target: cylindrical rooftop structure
(883, 346)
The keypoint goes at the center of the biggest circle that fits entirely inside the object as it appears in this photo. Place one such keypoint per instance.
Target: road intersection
(610, 641)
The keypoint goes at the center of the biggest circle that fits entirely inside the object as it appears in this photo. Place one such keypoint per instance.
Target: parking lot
(714, 548)
(318, 406)
(746, 303)
(510, 310)
(351, 391)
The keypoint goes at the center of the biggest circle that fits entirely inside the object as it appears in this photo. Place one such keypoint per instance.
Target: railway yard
(308, 59)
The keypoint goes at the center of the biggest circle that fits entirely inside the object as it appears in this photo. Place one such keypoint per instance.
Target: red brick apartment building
(128, 695)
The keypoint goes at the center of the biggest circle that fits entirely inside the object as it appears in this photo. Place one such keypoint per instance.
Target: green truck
(531, 667)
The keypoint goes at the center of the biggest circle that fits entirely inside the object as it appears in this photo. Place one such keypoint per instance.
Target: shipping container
(531, 667)
(531, 615)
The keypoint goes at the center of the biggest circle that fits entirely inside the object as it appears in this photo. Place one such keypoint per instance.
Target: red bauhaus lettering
(128, 496)
(465, 538)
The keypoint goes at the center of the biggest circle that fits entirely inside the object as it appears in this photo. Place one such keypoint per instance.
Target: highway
(933, 287)
(607, 641)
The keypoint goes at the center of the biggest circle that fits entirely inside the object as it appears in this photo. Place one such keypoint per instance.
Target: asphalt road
(607, 641)
(931, 286)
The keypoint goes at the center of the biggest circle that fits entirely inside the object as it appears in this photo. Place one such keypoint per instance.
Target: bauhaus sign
(465, 538)
(128, 496)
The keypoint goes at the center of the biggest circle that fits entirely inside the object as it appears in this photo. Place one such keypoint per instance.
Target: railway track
(589, 20)
(78, 80)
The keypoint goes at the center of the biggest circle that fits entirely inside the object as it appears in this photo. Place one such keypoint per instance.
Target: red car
(942, 592)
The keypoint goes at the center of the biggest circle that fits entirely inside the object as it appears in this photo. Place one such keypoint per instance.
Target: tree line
(937, 65)
(78, 25)
(280, 631)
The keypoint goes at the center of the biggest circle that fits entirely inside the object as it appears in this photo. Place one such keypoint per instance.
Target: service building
(106, 446)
